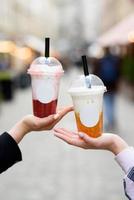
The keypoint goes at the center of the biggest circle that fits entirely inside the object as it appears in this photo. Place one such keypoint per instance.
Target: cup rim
(77, 92)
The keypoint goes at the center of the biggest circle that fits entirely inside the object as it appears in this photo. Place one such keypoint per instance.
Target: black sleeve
(9, 152)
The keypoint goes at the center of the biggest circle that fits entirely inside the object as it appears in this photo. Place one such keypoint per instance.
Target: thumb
(61, 113)
(93, 143)
(87, 138)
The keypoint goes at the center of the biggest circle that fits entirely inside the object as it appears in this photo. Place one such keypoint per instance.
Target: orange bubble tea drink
(88, 104)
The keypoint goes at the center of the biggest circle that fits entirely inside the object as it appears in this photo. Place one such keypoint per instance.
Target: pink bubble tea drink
(45, 74)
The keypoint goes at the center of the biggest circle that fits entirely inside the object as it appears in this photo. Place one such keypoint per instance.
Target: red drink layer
(44, 109)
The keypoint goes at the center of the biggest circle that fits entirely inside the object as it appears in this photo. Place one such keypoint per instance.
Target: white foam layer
(77, 91)
(44, 70)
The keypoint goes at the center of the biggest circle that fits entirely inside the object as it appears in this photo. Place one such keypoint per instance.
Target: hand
(47, 123)
(107, 141)
(31, 123)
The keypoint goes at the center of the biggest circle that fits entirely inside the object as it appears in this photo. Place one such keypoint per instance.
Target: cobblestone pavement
(53, 170)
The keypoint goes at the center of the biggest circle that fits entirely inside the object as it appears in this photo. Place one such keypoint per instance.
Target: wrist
(117, 145)
(18, 131)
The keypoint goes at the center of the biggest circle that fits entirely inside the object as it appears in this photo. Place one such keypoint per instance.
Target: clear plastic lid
(45, 66)
(85, 84)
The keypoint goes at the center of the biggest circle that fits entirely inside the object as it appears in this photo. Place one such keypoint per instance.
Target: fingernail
(56, 116)
(81, 135)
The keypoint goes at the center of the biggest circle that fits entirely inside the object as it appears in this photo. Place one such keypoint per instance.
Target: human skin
(107, 141)
(31, 123)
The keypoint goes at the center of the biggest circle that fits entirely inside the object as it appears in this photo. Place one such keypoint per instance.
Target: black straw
(85, 66)
(86, 72)
(47, 47)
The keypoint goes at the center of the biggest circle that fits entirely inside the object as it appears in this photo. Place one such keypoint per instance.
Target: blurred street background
(104, 31)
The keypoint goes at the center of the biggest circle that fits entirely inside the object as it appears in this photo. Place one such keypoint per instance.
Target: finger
(62, 108)
(46, 121)
(72, 141)
(63, 112)
(61, 131)
(85, 137)
(91, 142)
(67, 133)
(63, 137)
(53, 119)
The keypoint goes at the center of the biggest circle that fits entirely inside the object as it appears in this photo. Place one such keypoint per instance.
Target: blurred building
(114, 11)
(29, 17)
(79, 21)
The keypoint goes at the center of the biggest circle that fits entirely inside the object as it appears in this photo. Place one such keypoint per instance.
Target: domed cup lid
(45, 66)
(87, 84)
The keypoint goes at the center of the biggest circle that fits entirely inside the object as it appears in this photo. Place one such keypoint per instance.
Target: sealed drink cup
(45, 75)
(88, 104)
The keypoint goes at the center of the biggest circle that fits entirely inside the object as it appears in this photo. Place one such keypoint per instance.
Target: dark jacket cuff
(9, 152)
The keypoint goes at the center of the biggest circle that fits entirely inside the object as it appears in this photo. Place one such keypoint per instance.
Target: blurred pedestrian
(9, 150)
(128, 68)
(6, 82)
(108, 69)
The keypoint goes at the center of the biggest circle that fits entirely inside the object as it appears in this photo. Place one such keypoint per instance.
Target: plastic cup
(45, 75)
(88, 104)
